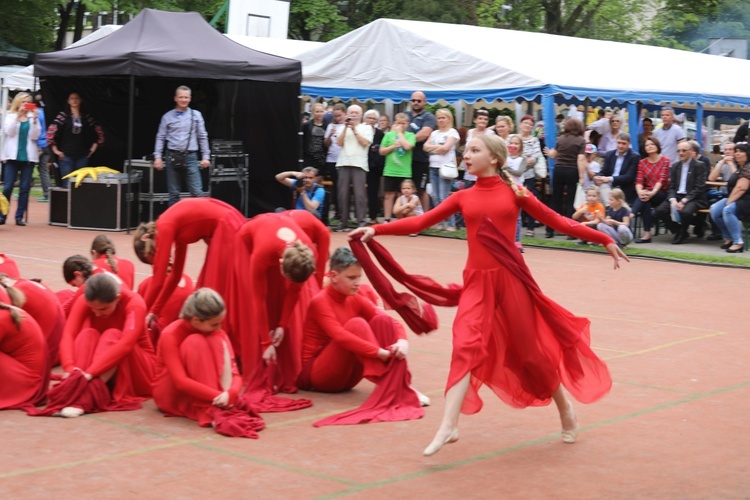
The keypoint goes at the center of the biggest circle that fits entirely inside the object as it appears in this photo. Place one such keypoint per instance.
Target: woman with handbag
(441, 146)
(570, 155)
(20, 152)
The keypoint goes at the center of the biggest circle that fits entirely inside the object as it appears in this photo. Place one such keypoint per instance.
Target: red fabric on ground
(188, 372)
(24, 366)
(42, 305)
(125, 269)
(259, 395)
(506, 333)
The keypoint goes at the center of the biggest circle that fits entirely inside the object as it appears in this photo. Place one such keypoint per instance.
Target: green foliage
(28, 24)
(318, 20)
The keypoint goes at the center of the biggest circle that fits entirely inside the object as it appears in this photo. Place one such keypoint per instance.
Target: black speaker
(231, 190)
(58, 207)
(102, 204)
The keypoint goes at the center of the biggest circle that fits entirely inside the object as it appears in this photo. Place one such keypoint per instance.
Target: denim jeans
(11, 169)
(191, 174)
(71, 164)
(441, 188)
(726, 218)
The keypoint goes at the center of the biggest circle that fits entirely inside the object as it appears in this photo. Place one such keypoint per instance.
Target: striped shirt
(175, 129)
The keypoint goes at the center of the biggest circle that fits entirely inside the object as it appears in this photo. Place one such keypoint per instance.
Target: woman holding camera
(21, 128)
(73, 136)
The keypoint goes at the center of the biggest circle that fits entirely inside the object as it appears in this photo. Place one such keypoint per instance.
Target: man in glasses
(686, 195)
(669, 135)
(421, 123)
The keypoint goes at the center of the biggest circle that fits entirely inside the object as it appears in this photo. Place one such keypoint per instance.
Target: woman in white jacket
(20, 152)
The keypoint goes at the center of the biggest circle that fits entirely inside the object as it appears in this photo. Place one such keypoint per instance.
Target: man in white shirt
(669, 135)
(352, 166)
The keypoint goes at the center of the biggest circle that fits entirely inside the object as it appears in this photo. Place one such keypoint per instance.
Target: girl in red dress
(273, 261)
(506, 333)
(103, 255)
(104, 344)
(186, 222)
(76, 270)
(346, 338)
(172, 307)
(8, 266)
(40, 302)
(196, 376)
(24, 370)
(319, 235)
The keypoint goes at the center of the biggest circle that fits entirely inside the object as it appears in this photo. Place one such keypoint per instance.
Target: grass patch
(631, 251)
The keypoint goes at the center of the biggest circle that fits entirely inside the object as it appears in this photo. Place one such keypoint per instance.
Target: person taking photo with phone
(20, 152)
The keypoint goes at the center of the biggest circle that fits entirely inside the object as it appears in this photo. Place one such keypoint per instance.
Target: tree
(619, 20)
(28, 24)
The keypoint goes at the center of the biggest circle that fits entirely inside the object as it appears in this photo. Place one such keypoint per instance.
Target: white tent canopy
(388, 59)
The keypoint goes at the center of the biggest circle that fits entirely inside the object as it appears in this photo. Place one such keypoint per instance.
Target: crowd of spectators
(664, 186)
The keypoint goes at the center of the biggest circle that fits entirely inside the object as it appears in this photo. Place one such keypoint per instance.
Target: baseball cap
(590, 149)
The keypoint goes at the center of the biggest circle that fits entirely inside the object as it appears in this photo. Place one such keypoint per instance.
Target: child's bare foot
(441, 438)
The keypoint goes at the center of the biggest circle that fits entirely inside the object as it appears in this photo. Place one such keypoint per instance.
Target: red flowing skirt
(521, 344)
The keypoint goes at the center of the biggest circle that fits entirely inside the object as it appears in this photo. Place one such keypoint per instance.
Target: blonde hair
(203, 304)
(593, 188)
(399, 116)
(520, 142)
(17, 297)
(145, 247)
(447, 113)
(499, 151)
(408, 182)
(317, 105)
(619, 195)
(102, 245)
(298, 262)
(16, 104)
(15, 314)
(506, 119)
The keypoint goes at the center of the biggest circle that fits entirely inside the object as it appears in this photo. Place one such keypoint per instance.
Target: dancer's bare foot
(423, 400)
(441, 439)
(569, 424)
(71, 412)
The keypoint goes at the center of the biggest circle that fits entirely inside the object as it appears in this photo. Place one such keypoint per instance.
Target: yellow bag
(4, 205)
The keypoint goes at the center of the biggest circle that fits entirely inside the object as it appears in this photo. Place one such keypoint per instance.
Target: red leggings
(335, 369)
(200, 356)
(134, 372)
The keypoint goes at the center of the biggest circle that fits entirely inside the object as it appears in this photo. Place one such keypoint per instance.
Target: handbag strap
(190, 132)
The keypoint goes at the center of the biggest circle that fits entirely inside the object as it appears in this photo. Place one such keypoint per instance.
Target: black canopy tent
(127, 81)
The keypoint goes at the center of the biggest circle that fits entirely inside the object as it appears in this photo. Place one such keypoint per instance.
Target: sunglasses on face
(416, 100)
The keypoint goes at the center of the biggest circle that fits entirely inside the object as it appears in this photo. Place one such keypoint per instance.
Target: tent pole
(131, 117)
(550, 129)
(633, 125)
(699, 124)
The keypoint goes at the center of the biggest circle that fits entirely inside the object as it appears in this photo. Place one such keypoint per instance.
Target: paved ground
(674, 425)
